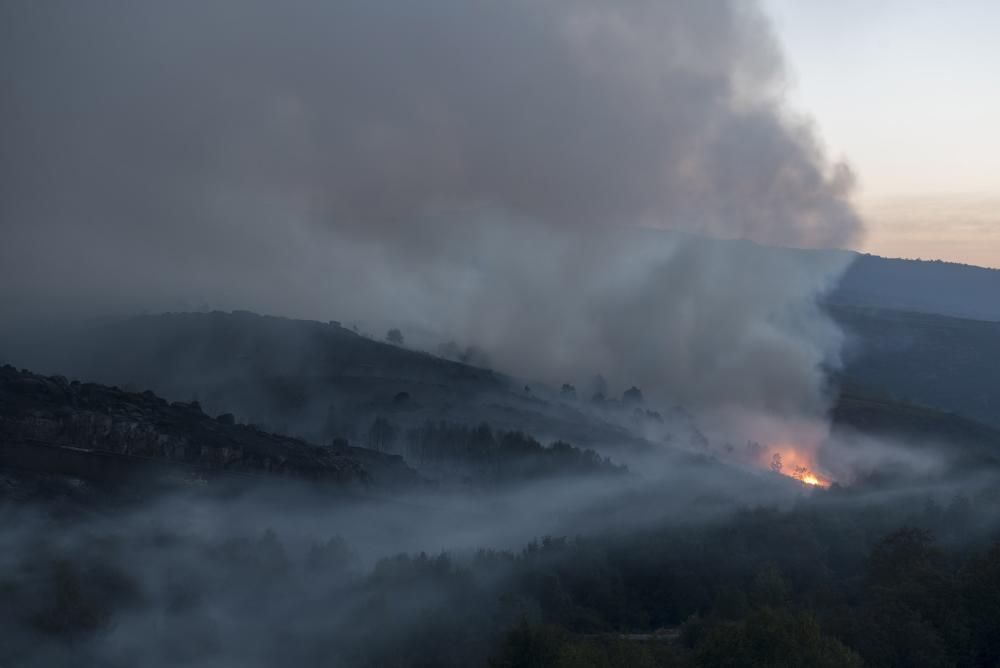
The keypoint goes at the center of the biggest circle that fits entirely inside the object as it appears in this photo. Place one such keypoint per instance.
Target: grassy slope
(297, 376)
(948, 364)
(307, 378)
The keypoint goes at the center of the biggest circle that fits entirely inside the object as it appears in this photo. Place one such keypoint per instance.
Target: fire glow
(797, 464)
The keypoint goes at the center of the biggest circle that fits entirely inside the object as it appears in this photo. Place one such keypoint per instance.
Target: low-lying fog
(290, 573)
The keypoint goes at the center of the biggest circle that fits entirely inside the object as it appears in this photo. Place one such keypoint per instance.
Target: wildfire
(810, 479)
(796, 464)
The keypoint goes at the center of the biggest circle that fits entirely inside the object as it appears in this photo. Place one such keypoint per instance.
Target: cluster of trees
(631, 401)
(479, 453)
(632, 397)
(499, 455)
(381, 435)
(808, 587)
(832, 582)
(812, 586)
(816, 586)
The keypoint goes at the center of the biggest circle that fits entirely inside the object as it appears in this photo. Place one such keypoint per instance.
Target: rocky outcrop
(119, 427)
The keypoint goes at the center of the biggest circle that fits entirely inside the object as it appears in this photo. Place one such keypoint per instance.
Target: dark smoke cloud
(477, 168)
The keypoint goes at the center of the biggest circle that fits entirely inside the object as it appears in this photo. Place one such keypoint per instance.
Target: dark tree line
(499, 455)
(835, 581)
(819, 585)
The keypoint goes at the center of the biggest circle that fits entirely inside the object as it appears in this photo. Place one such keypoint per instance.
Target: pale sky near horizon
(907, 92)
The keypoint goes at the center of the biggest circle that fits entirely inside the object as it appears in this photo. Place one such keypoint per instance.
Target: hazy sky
(97, 99)
(908, 92)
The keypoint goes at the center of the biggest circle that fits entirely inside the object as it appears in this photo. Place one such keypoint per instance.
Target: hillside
(967, 443)
(321, 381)
(56, 426)
(949, 364)
(942, 288)
(316, 380)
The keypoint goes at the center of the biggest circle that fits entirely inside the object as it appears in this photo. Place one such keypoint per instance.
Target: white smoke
(487, 170)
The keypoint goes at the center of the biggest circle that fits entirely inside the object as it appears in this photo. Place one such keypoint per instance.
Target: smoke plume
(501, 173)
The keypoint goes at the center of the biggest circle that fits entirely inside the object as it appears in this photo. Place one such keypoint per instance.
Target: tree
(599, 387)
(632, 395)
(568, 391)
(394, 336)
(527, 646)
(903, 554)
(774, 638)
(981, 592)
(381, 435)
(769, 588)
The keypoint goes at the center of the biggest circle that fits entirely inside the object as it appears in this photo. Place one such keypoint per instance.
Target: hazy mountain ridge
(922, 286)
(943, 288)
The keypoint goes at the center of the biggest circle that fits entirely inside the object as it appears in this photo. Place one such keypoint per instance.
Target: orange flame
(810, 479)
(796, 463)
